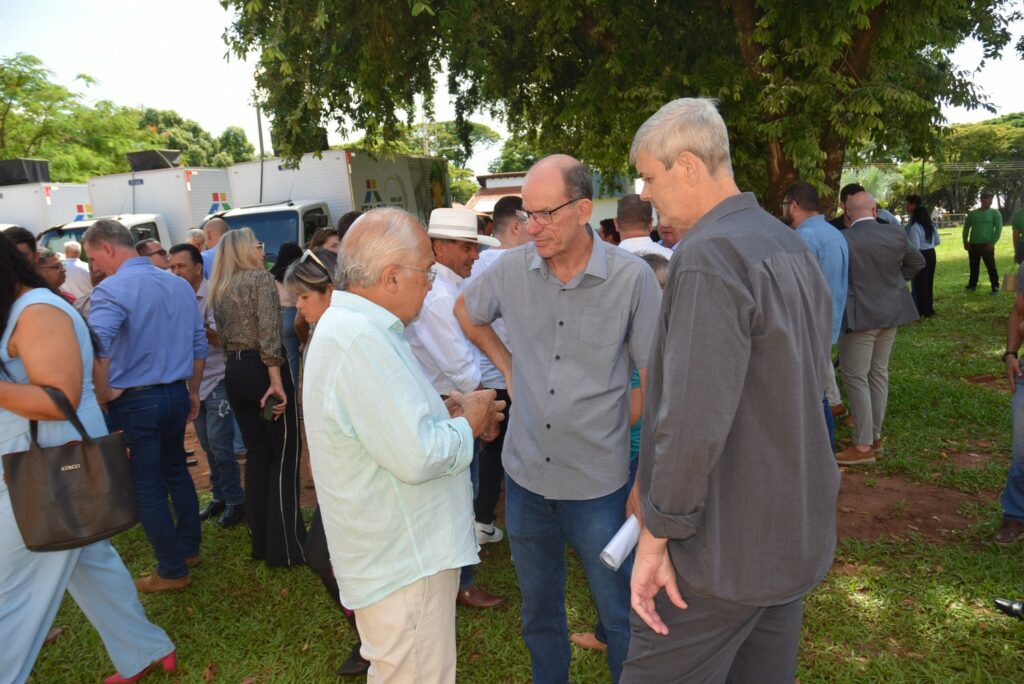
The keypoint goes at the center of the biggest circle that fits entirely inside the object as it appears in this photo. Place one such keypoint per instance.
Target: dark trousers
(491, 471)
(713, 641)
(982, 252)
(272, 462)
(319, 559)
(153, 421)
(922, 286)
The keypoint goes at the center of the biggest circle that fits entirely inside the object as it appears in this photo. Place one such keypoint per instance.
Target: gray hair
(195, 234)
(579, 180)
(378, 239)
(111, 232)
(689, 124)
(72, 248)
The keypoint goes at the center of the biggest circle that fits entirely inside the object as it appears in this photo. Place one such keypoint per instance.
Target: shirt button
(561, 322)
(552, 391)
(548, 459)
(558, 357)
(548, 426)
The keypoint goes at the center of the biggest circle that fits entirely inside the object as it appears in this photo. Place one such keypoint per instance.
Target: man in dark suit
(877, 302)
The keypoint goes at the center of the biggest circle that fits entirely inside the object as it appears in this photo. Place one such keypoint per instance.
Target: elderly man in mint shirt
(981, 233)
(390, 458)
(152, 351)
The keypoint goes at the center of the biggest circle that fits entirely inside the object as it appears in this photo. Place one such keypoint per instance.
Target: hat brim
(462, 236)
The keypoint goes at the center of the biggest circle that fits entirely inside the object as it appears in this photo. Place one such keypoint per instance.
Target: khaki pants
(864, 359)
(409, 635)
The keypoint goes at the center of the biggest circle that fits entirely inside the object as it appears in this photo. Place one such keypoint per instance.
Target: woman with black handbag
(46, 343)
(262, 395)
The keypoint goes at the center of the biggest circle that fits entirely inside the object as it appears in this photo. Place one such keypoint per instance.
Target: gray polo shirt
(574, 347)
(735, 464)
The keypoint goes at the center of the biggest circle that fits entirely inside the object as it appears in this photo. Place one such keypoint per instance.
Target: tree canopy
(799, 83)
(42, 119)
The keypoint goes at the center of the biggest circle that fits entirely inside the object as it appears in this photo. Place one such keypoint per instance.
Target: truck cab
(141, 226)
(280, 222)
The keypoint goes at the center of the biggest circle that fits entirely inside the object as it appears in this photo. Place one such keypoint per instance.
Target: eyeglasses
(544, 217)
(431, 274)
(59, 266)
(260, 246)
(787, 203)
(161, 252)
(311, 256)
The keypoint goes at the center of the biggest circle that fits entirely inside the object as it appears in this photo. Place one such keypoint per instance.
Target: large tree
(800, 82)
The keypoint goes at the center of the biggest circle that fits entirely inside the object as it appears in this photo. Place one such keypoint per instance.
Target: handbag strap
(61, 400)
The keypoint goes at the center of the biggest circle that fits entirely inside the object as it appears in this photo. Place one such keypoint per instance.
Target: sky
(169, 54)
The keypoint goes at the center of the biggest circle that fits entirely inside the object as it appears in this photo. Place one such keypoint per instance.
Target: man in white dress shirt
(633, 219)
(449, 361)
(78, 282)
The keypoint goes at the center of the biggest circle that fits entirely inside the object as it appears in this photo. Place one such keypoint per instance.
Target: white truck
(141, 226)
(285, 203)
(29, 199)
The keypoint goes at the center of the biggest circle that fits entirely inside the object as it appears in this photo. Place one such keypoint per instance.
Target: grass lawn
(891, 610)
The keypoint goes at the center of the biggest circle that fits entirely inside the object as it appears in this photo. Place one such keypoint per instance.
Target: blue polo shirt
(833, 255)
(147, 324)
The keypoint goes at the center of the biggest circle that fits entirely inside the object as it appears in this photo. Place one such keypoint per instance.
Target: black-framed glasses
(311, 256)
(542, 217)
(431, 273)
(161, 252)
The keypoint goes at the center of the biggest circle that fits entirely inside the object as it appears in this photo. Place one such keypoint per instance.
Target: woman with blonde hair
(262, 394)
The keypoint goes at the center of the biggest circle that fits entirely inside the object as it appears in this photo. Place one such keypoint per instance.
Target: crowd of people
(590, 375)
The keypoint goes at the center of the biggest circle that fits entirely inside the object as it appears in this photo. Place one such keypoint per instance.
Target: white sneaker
(485, 534)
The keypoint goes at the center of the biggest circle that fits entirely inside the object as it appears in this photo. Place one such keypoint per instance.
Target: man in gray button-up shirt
(580, 315)
(736, 474)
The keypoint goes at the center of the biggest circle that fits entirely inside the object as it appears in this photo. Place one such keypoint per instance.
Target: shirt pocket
(601, 326)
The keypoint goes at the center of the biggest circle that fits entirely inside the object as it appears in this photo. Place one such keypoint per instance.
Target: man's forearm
(197, 375)
(485, 339)
(1013, 333)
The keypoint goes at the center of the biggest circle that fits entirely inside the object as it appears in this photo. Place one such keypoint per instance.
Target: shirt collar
(134, 262)
(201, 292)
(597, 265)
(872, 219)
(732, 204)
(375, 312)
(447, 275)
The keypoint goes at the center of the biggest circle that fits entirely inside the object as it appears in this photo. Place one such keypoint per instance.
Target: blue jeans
(538, 530)
(215, 428)
(153, 421)
(290, 341)
(1013, 495)
(830, 423)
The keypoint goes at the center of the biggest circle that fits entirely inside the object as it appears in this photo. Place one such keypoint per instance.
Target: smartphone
(267, 412)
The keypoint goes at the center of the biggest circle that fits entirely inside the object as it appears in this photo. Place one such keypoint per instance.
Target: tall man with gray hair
(580, 315)
(738, 488)
(390, 458)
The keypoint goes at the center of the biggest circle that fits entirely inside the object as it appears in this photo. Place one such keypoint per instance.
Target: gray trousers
(864, 360)
(715, 641)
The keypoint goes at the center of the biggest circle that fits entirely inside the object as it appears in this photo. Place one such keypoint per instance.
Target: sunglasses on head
(311, 256)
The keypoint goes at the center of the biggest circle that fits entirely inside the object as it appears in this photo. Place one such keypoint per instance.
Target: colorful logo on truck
(393, 194)
(220, 202)
(372, 199)
(82, 212)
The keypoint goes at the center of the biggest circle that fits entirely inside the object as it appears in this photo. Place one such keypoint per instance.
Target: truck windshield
(56, 238)
(272, 228)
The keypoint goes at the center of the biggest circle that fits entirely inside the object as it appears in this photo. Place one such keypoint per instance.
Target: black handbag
(73, 494)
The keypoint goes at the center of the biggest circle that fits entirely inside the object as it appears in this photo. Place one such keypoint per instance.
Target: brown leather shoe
(877, 447)
(851, 456)
(153, 583)
(1010, 532)
(475, 597)
(588, 640)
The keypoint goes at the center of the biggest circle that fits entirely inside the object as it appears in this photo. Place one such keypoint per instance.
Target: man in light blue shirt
(151, 343)
(801, 210)
(390, 459)
(213, 231)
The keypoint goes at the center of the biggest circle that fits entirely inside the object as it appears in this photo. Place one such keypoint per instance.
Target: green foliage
(980, 150)
(798, 83)
(434, 139)
(518, 153)
(880, 184)
(462, 183)
(45, 120)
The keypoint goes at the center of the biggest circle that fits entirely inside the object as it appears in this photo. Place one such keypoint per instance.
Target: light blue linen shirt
(833, 255)
(148, 324)
(390, 465)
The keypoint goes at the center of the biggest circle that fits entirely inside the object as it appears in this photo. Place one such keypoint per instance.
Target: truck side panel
(325, 179)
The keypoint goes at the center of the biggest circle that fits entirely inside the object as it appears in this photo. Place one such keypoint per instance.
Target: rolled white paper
(621, 545)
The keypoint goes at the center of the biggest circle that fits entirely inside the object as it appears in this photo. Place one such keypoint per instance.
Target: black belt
(242, 353)
(149, 387)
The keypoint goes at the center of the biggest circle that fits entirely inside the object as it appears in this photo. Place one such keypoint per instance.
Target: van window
(144, 231)
(272, 228)
(56, 238)
(312, 221)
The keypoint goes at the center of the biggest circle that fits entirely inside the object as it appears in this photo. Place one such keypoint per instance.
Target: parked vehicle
(142, 227)
(29, 199)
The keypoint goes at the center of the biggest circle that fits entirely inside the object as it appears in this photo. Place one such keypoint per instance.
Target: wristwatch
(1009, 353)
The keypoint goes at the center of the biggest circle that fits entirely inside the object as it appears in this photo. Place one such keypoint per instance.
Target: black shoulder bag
(73, 494)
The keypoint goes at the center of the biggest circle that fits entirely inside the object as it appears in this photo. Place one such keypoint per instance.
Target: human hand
(1012, 370)
(452, 403)
(193, 410)
(278, 391)
(652, 570)
(482, 411)
(633, 505)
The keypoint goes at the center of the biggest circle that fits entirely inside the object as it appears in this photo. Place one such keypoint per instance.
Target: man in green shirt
(981, 233)
(1018, 229)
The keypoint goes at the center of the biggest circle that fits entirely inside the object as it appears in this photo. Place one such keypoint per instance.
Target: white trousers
(409, 635)
(31, 589)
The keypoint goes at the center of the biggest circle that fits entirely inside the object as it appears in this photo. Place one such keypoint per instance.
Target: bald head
(214, 230)
(860, 205)
(575, 175)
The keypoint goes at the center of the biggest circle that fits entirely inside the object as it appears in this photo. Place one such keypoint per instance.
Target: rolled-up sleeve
(268, 313)
(706, 353)
(481, 295)
(394, 422)
(106, 317)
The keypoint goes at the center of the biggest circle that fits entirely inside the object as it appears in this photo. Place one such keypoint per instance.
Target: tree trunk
(781, 174)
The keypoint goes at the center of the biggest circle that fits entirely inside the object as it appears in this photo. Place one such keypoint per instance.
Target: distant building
(494, 186)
